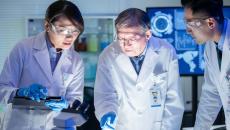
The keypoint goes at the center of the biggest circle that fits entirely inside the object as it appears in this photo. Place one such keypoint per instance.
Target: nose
(188, 30)
(127, 42)
(69, 35)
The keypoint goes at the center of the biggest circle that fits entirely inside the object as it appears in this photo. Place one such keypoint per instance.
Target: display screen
(168, 23)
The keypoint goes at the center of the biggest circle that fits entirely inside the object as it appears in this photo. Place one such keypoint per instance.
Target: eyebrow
(65, 25)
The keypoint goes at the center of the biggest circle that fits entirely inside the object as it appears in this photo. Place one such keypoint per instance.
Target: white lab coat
(215, 89)
(29, 63)
(119, 89)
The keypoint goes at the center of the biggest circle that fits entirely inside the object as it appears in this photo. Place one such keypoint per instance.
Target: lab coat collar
(41, 55)
(43, 45)
(151, 58)
(223, 34)
(154, 44)
(124, 62)
(40, 41)
(148, 63)
(225, 65)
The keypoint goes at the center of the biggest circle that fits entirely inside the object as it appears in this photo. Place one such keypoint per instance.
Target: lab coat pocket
(67, 78)
(159, 78)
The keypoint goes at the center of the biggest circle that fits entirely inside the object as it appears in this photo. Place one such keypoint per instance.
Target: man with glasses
(44, 65)
(206, 24)
(137, 78)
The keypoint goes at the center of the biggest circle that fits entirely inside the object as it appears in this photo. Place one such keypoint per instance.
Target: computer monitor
(167, 23)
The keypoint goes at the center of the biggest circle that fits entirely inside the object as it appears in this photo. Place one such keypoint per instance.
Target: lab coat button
(139, 112)
(139, 89)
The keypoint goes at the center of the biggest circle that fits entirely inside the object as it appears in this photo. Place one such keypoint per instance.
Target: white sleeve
(210, 102)
(174, 106)
(10, 75)
(105, 95)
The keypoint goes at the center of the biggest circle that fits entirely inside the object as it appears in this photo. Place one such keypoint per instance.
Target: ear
(211, 23)
(46, 26)
(148, 34)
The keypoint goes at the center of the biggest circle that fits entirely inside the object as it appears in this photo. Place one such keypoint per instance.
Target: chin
(66, 47)
(200, 42)
(130, 54)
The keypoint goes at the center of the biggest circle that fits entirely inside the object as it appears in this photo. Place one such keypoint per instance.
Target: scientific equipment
(27, 103)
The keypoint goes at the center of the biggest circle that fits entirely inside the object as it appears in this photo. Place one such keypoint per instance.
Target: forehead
(129, 31)
(62, 20)
(188, 14)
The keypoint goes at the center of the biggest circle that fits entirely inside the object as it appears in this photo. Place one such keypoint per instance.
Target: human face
(62, 33)
(200, 27)
(132, 40)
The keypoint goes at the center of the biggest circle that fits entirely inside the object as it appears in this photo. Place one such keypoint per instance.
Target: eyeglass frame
(195, 22)
(66, 31)
(132, 40)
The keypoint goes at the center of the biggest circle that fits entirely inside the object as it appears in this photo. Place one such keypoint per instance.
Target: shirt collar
(222, 38)
(51, 49)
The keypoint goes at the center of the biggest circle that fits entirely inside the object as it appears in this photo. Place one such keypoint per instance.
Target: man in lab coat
(44, 65)
(206, 24)
(137, 78)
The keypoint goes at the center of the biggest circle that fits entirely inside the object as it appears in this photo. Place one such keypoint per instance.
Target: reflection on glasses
(64, 31)
(195, 22)
(134, 39)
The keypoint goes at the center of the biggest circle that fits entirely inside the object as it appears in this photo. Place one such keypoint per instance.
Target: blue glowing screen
(167, 23)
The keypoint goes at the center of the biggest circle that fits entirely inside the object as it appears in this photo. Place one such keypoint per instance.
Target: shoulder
(161, 43)
(29, 43)
(111, 51)
(162, 46)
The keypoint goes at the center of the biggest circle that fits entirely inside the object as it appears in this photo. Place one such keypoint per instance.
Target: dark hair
(133, 17)
(67, 9)
(211, 8)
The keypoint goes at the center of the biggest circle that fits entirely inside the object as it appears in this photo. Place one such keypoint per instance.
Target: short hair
(133, 17)
(211, 8)
(65, 8)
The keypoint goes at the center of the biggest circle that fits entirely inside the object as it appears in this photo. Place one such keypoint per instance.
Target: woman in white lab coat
(206, 23)
(44, 65)
(144, 97)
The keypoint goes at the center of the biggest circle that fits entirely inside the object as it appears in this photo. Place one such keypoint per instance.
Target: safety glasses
(133, 38)
(64, 31)
(195, 22)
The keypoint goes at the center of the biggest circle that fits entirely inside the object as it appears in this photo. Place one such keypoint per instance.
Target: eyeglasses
(64, 31)
(134, 39)
(195, 22)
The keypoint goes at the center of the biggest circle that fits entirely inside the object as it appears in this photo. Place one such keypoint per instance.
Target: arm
(10, 75)
(105, 95)
(174, 106)
(210, 102)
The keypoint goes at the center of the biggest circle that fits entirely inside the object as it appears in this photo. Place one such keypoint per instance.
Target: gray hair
(133, 17)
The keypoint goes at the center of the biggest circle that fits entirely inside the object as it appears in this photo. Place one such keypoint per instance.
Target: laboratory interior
(20, 19)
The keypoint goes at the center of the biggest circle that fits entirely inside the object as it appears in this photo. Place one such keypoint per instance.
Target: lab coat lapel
(126, 66)
(64, 63)
(150, 60)
(41, 55)
(225, 65)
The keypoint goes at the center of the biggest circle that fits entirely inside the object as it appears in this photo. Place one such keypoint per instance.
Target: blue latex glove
(108, 121)
(34, 92)
(57, 105)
